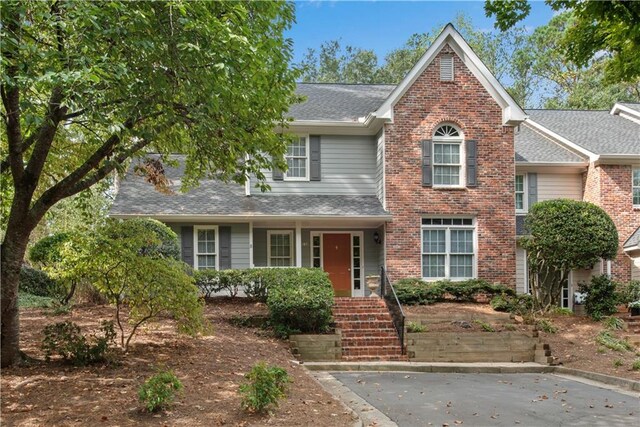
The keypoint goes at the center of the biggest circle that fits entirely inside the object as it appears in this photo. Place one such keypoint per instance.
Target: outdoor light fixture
(377, 238)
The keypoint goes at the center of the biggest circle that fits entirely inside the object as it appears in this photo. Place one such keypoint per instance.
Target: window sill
(455, 279)
(450, 187)
(295, 179)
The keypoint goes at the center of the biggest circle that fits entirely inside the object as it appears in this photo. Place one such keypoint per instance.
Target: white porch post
(298, 244)
(251, 244)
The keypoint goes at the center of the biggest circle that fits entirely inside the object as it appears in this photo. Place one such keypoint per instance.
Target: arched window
(448, 156)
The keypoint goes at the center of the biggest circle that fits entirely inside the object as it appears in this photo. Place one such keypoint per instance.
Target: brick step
(346, 325)
(365, 317)
(388, 358)
(358, 310)
(373, 333)
(367, 303)
(360, 307)
(393, 350)
(391, 340)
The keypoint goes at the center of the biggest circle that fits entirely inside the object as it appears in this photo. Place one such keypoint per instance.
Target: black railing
(393, 304)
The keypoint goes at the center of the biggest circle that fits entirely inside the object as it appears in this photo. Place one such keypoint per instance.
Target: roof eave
(245, 218)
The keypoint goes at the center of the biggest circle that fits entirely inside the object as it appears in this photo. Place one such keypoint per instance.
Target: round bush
(601, 299)
(167, 244)
(47, 250)
(37, 282)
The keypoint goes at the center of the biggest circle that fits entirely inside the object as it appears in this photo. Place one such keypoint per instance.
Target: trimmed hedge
(414, 291)
(37, 282)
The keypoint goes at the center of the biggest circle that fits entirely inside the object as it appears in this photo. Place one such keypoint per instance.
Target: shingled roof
(533, 147)
(596, 131)
(633, 241)
(214, 198)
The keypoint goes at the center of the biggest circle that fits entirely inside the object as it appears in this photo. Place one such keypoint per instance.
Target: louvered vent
(446, 68)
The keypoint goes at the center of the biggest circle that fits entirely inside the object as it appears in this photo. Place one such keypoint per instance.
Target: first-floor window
(520, 205)
(636, 187)
(448, 248)
(280, 248)
(206, 249)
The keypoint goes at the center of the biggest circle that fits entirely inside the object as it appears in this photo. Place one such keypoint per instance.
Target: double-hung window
(520, 193)
(298, 160)
(206, 247)
(448, 157)
(448, 248)
(280, 248)
(636, 187)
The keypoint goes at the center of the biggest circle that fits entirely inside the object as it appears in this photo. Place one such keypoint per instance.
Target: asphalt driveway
(423, 399)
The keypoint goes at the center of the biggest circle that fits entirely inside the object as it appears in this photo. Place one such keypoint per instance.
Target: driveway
(423, 399)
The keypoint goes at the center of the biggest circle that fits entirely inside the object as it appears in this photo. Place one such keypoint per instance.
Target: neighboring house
(430, 178)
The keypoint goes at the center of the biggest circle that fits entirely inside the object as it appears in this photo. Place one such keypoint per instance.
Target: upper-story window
(448, 157)
(298, 160)
(636, 187)
(521, 201)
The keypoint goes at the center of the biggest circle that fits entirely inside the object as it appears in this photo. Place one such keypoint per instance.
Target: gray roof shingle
(138, 197)
(533, 147)
(597, 131)
(633, 105)
(341, 102)
(633, 240)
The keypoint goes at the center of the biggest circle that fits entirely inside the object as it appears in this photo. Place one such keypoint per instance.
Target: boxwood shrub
(38, 282)
(413, 291)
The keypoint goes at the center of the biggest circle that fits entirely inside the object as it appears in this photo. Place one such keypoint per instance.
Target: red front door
(336, 259)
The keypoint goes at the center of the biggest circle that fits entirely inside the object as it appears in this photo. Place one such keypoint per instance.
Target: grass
(636, 365)
(606, 339)
(484, 325)
(546, 326)
(26, 300)
(613, 323)
(416, 327)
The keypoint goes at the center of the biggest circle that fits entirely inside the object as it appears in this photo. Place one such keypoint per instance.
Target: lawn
(211, 369)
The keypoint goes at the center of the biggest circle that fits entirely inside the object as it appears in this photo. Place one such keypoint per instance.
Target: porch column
(298, 244)
(250, 244)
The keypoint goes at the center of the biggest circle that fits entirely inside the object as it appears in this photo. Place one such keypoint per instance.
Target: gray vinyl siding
(239, 241)
(348, 166)
(521, 268)
(380, 166)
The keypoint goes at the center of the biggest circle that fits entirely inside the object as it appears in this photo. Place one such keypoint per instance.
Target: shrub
(65, 340)
(607, 339)
(167, 244)
(416, 327)
(500, 303)
(629, 292)
(37, 282)
(26, 300)
(159, 391)
(484, 325)
(613, 323)
(617, 363)
(48, 250)
(412, 291)
(265, 386)
(636, 365)
(562, 311)
(301, 299)
(601, 299)
(254, 281)
(546, 326)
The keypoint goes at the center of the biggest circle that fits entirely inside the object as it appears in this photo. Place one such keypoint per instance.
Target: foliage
(416, 327)
(636, 365)
(159, 391)
(484, 325)
(80, 101)
(617, 363)
(612, 27)
(265, 386)
(500, 303)
(562, 311)
(38, 282)
(26, 300)
(412, 291)
(149, 285)
(564, 235)
(255, 282)
(301, 299)
(48, 250)
(65, 340)
(601, 298)
(168, 245)
(607, 339)
(629, 292)
(546, 326)
(613, 323)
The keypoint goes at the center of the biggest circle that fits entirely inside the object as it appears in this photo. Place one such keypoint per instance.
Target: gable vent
(446, 68)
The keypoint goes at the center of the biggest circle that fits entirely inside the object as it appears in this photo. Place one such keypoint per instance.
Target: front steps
(367, 330)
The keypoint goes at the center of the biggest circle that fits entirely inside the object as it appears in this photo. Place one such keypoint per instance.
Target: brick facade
(610, 187)
(466, 103)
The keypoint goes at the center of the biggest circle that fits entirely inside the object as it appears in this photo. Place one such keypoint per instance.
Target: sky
(385, 25)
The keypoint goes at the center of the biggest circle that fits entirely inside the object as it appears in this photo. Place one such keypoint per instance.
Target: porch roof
(213, 198)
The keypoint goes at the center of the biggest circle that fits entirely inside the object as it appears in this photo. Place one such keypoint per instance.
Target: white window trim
(195, 245)
(307, 162)
(633, 170)
(463, 157)
(447, 264)
(291, 247)
(525, 195)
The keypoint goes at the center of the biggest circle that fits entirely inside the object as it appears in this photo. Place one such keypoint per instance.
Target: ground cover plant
(265, 386)
(417, 291)
(159, 391)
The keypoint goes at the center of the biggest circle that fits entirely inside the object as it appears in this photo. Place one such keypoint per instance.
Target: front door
(336, 259)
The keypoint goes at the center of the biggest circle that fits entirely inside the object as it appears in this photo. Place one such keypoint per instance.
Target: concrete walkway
(482, 399)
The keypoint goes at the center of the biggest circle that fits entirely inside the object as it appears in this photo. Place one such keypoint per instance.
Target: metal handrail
(389, 296)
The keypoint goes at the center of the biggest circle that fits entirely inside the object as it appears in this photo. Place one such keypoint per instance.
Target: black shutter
(472, 163)
(186, 240)
(426, 163)
(314, 148)
(532, 190)
(224, 246)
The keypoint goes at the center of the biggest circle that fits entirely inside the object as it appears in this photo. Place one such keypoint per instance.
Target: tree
(128, 263)
(332, 63)
(609, 26)
(564, 235)
(88, 85)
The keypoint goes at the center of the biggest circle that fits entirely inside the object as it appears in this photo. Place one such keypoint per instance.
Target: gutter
(244, 218)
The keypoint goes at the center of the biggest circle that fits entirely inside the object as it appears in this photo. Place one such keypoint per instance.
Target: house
(430, 178)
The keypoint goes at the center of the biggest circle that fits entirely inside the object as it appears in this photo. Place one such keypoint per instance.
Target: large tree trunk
(12, 254)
